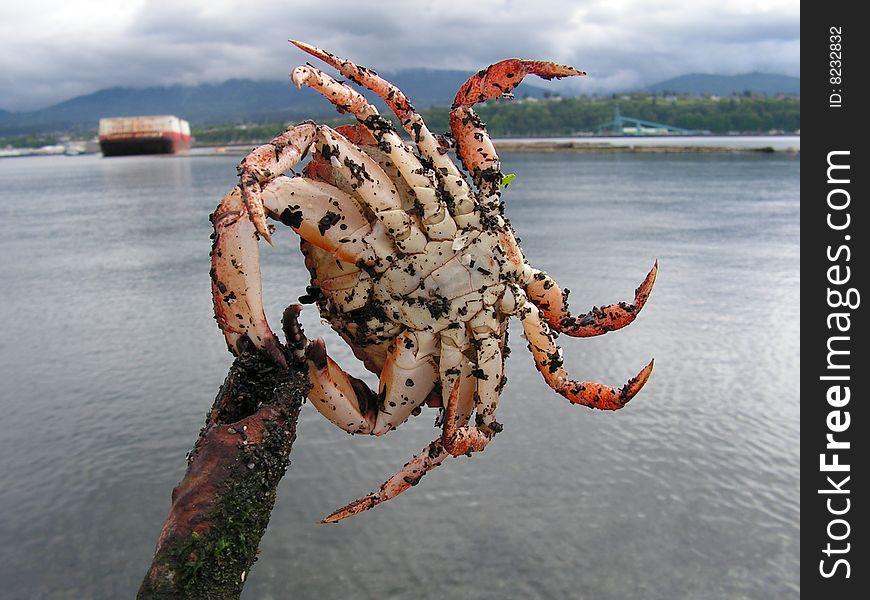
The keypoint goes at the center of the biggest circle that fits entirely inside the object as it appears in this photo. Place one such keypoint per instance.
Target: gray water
(110, 358)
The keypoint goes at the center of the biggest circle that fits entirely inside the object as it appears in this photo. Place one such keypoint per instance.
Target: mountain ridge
(232, 101)
(250, 101)
(698, 84)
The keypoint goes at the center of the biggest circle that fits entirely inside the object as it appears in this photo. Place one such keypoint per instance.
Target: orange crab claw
(546, 295)
(549, 361)
(474, 146)
(604, 397)
(502, 77)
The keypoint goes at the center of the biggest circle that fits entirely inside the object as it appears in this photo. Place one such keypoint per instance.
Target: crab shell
(414, 269)
(438, 289)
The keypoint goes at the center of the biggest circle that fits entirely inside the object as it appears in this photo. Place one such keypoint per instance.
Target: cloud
(51, 50)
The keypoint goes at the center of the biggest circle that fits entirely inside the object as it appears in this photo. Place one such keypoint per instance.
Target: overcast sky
(52, 50)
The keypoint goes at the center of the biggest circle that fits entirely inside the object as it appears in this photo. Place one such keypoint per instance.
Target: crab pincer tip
(262, 228)
(300, 45)
(273, 351)
(354, 508)
(643, 290)
(260, 225)
(635, 384)
(333, 518)
(644, 374)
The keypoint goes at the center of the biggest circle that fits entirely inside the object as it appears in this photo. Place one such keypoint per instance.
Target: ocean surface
(110, 359)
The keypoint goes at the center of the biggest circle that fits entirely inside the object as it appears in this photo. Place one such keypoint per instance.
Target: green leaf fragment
(508, 179)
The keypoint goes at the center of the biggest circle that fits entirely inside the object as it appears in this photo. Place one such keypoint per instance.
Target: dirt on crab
(414, 267)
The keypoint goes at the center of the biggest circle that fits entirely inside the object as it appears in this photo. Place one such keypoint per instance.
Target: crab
(413, 267)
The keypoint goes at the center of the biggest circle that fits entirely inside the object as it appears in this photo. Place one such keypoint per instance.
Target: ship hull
(153, 134)
(143, 145)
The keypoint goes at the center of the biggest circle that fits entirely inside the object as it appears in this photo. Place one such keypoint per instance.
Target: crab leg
(548, 360)
(321, 214)
(490, 367)
(473, 144)
(438, 223)
(346, 285)
(236, 286)
(546, 295)
(320, 169)
(235, 276)
(268, 161)
(501, 78)
(343, 399)
(409, 475)
(406, 379)
(459, 438)
(373, 186)
(454, 367)
(412, 122)
(331, 224)
(433, 455)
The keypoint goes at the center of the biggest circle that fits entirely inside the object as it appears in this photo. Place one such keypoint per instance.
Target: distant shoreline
(764, 144)
(624, 145)
(573, 146)
(655, 144)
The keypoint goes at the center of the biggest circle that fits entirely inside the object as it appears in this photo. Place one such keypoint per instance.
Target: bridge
(623, 125)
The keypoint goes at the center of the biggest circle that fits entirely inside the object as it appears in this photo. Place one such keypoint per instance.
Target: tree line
(571, 116)
(557, 116)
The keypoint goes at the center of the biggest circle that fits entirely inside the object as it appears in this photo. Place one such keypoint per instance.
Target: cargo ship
(164, 134)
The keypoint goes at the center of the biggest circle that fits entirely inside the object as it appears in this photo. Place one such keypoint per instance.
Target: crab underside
(415, 269)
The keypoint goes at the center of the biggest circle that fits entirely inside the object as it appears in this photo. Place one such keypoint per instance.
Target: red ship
(165, 134)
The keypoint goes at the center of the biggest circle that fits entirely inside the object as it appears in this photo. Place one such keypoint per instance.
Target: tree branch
(221, 508)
